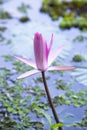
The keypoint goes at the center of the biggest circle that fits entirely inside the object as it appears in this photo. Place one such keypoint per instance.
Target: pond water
(17, 39)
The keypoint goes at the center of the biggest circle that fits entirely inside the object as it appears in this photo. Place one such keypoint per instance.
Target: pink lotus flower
(43, 57)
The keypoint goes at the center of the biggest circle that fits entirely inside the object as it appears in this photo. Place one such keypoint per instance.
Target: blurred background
(19, 21)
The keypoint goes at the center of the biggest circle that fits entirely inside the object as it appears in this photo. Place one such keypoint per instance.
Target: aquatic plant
(73, 12)
(24, 19)
(4, 15)
(78, 58)
(43, 59)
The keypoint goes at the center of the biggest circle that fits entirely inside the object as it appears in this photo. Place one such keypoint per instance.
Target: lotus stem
(50, 100)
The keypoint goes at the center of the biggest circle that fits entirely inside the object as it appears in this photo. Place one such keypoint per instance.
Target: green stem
(49, 99)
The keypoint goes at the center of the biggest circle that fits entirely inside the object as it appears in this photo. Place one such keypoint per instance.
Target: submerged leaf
(44, 114)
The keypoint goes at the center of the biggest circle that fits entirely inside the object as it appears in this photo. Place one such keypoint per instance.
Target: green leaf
(53, 127)
(44, 114)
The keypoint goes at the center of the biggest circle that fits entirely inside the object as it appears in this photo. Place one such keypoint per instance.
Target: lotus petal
(61, 68)
(27, 61)
(28, 73)
(54, 55)
(51, 42)
(40, 52)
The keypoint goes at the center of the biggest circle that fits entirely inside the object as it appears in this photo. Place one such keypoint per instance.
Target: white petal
(28, 73)
(53, 56)
(51, 42)
(60, 68)
(27, 61)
